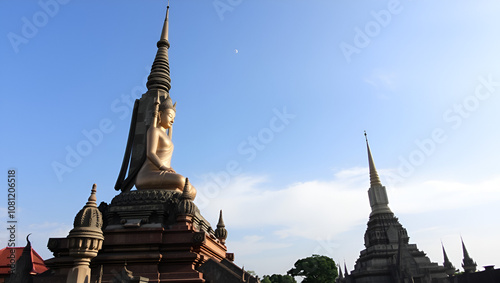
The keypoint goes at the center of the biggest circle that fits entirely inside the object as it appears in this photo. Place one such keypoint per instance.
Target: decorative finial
(374, 179)
(221, 221)
(164, 32)
(185, 190)
(186, 205)
(85, 219)
(221, 232)
(92, 199)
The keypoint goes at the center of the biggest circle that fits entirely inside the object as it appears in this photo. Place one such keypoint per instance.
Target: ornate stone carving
(186, 206)
(199, 237)
(85, 239)
(146, 197)
(221, 232)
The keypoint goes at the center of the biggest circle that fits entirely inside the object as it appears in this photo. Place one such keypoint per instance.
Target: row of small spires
(468, 264)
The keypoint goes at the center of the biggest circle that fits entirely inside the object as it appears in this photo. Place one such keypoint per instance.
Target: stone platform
(156, 235)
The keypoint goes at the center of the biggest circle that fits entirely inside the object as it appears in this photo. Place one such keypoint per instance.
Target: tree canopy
(277, 278)
(315, 269)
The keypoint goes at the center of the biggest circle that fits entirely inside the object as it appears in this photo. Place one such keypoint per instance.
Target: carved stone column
(85, 240)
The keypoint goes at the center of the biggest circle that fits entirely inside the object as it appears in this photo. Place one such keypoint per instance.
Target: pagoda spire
(159, 78)
(467, 263)
(377, 193)
(164, 31)
(374, 179)
(449, 268)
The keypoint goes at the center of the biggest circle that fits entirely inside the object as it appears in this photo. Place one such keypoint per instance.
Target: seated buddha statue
(156, 172)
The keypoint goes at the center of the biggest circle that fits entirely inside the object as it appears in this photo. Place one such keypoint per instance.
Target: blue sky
(273, 98)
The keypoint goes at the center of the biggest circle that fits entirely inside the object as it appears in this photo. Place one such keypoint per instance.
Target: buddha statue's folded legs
(153, 179)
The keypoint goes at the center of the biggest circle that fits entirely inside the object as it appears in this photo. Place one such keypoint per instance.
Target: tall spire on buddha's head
(164, 31)
(374, 179)
(159, 78)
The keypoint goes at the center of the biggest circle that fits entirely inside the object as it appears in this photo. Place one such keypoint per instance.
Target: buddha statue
(156, 172)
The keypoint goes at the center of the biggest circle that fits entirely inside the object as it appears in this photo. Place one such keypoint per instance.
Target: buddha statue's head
(166, 113)
(166, 103)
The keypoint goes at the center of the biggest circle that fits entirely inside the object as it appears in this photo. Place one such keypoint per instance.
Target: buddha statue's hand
(168, 169)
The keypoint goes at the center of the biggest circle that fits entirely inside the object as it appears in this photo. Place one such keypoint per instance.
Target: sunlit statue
(156, 172)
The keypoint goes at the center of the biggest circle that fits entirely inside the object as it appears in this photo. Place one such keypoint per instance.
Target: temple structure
(388, 256)
(28, 263)
(154, 233)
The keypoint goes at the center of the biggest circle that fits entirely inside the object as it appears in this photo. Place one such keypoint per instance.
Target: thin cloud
(254, 244)
(339, 204)
(287, 211)
(329, 217)
(438, 195)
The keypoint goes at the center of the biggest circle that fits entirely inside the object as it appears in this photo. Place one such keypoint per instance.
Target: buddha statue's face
(167, 118)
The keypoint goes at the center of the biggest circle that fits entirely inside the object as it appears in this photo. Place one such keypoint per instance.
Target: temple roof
(36, 259)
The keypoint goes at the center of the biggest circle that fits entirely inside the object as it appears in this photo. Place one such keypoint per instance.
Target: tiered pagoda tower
(388, 256)
(154, 234)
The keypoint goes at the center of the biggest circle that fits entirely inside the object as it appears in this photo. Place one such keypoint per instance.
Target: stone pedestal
(145, 231)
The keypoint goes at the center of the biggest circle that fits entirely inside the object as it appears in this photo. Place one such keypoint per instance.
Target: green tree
(315, 269)
(277, 278)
